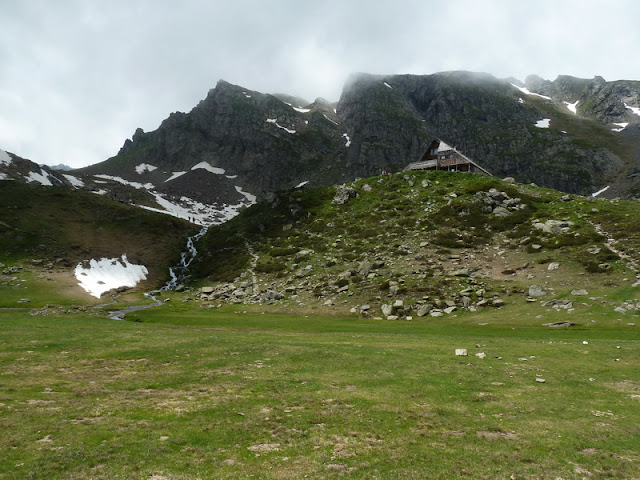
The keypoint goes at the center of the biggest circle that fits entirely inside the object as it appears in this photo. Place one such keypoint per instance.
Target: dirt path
(611, 245)
(254, 262)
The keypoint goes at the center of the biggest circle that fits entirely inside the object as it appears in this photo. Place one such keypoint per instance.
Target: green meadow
(177, 392)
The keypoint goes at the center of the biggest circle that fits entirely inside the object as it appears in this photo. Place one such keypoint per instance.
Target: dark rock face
(383, 123)
(13, 167)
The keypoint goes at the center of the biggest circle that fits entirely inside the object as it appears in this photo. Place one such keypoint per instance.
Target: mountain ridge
(386, 120)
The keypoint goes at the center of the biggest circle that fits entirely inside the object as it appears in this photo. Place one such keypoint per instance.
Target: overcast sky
(77, 77)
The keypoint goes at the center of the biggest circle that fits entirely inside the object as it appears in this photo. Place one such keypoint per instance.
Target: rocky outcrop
(382, 123)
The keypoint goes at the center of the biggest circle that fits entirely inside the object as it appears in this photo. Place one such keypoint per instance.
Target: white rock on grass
(461, 352)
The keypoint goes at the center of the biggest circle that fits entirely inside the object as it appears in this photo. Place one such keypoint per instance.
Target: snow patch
(147, 186)
(634, 110)
(102, 275)
(302, 184)
(246, 94)
(196, 212)
(3, 176)
(573, 106)
(209, 168)
(387, 85)
(231, 176)
(74, 181)
(298, 109)
(527, 92)
(5, 159)
(99, 192)
(348, 140)
(145, 167)
(174, 175)
(600, 191)
(622, 126)
(520, 100)
(42, 178)
(544, 123)
(249, 196)
(275, 122)
(332, 121)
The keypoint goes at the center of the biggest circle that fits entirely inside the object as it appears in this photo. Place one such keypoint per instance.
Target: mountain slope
(46, 231)
(265, 143)
(433, 240)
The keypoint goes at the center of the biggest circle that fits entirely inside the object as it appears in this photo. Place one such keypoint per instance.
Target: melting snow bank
(177, 273)
(622, 126)
(99, 276)
(206, 166)
(200, 213)
(634, 110)
(42, 178)
(145, 167)
(147, 186)
(527, 92)
(5, 159)
(74, 181)
(600, 191)
(544, 123)
(275, 122)
(572, 107)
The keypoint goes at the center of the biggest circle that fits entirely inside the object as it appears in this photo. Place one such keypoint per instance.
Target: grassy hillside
(424, 238)
(185, 393)
(47, 230)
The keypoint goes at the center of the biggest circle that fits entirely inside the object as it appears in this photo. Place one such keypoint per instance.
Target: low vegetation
(282, 372)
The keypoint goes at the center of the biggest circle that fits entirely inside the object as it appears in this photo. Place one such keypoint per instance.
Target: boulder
(387, 309)
(501, 212)
(365, 267)
(423, 310)
(461, 352)
(343, 194)
(207, 290)
(536, 291)
(553, 266)
(579, 293)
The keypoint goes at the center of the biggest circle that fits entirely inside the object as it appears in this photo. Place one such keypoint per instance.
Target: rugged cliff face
(266, 143)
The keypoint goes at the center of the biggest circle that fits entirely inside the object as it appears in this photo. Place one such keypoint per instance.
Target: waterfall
(179, 271)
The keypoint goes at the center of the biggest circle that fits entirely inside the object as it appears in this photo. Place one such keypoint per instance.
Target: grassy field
(182, 393)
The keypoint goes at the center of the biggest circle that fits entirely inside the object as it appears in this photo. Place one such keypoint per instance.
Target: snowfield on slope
(42, 178)
(145, 167)
(5, 159)
(527, 92)
(99, 276)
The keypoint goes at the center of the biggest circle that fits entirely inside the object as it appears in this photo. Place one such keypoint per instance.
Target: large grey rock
(423, 310)
(343, 194)
(386, 309)
(536, 291)
(579, 293)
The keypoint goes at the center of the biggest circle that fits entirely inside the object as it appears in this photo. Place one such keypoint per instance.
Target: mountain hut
(440, 156)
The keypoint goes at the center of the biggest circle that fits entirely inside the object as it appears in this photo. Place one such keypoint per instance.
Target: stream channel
(177, 273)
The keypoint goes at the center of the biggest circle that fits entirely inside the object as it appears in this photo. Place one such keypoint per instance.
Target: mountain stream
(177, 273)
